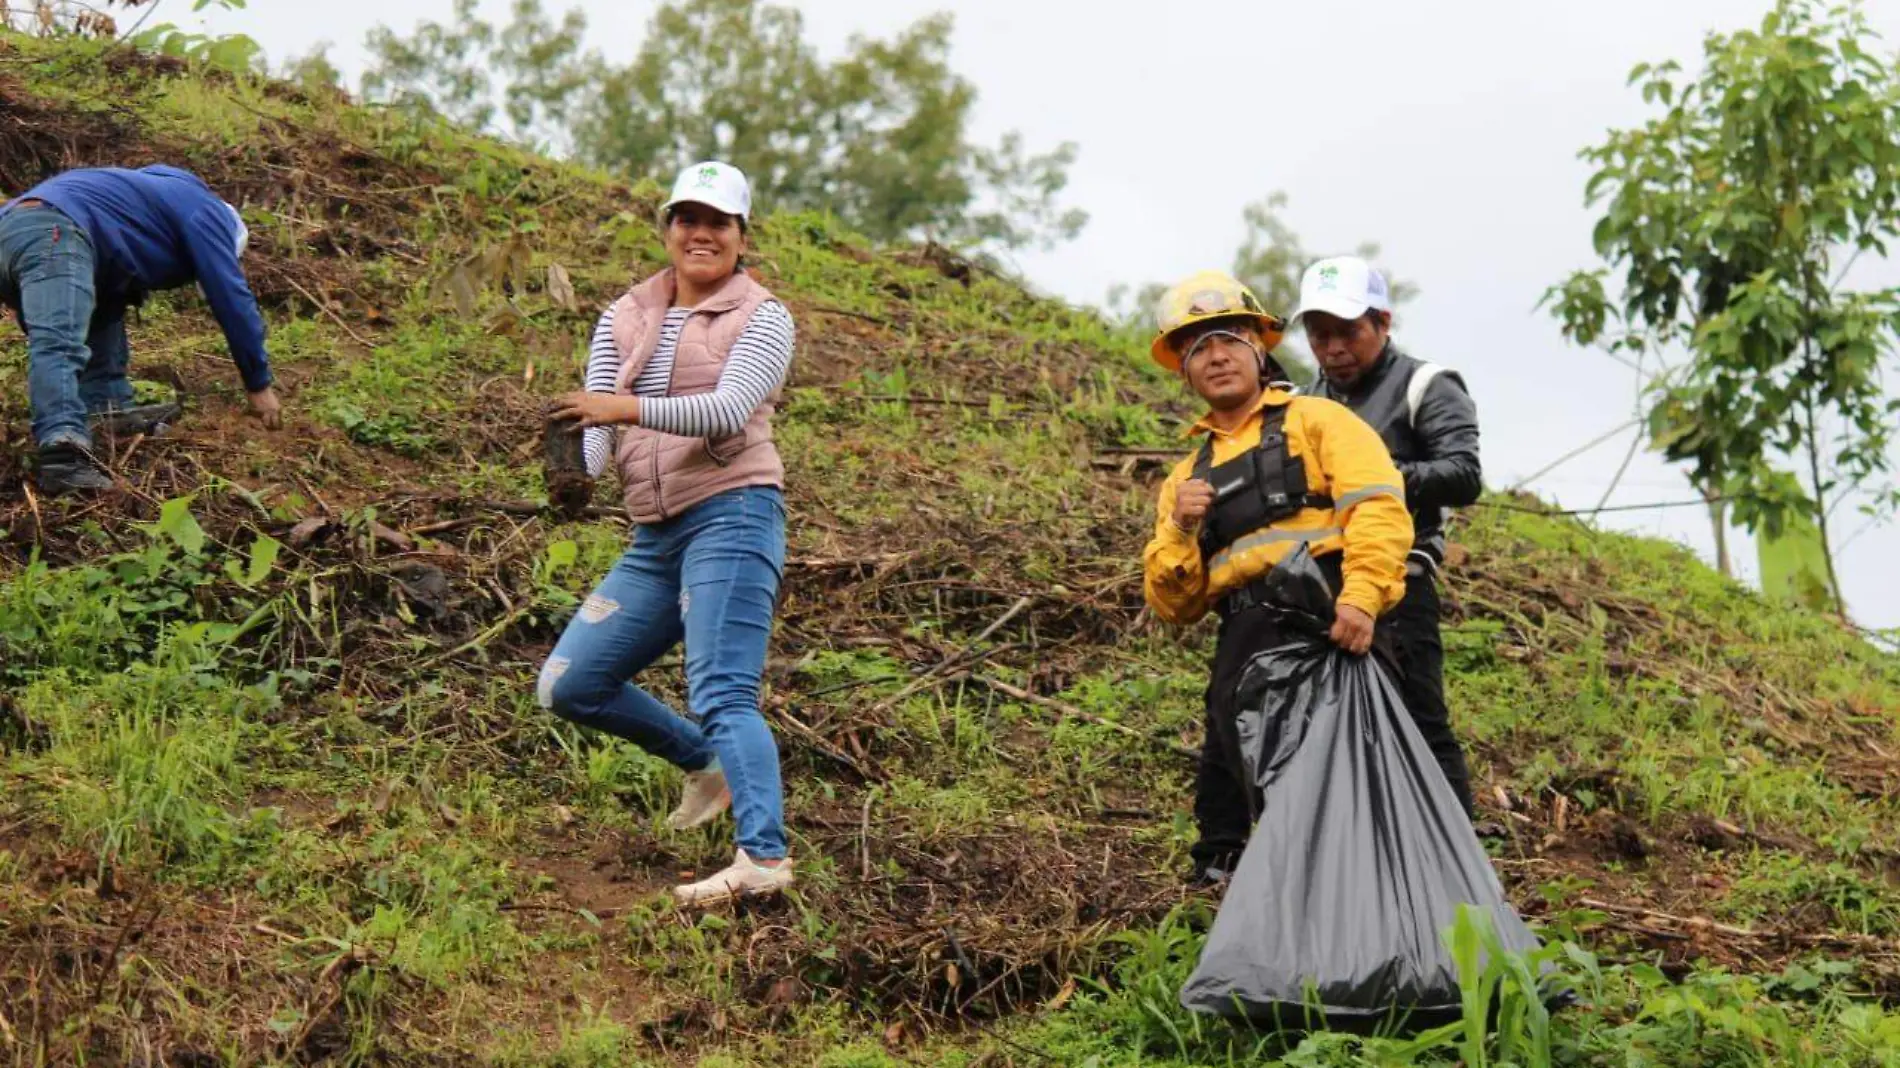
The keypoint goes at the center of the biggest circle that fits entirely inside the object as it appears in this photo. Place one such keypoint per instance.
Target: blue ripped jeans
(709, 576)
(76, 350)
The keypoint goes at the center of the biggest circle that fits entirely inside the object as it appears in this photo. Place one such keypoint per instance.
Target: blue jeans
(103, 384)
(46, 273)
(710, 576)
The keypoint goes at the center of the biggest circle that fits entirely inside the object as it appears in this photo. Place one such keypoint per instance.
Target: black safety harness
(1255, 489)
(1258, 488)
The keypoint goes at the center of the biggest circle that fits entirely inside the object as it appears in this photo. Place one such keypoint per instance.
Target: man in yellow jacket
(1272, 472)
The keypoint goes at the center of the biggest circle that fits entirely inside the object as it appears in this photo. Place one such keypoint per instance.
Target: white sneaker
(746, 878)
(704, 798)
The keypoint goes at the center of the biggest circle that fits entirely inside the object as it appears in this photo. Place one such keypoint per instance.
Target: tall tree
(879, 136)
(453, 70)
(1271, 258)
(1730, 223)
(724, 79)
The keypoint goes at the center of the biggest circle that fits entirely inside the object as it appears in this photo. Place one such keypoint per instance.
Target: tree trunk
(1827, 554)
(1718, 522)
(1718, 517)
(1820, 516)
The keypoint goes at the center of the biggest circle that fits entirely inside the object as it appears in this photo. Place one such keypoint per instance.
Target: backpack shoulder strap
(1422, 378)
(1292, 469)
(1204, 457)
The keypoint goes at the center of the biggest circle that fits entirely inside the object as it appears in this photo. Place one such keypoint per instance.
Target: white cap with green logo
(1343, 286)
(719, 186)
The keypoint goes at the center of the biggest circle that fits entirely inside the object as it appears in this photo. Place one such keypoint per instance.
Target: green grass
(1639, 705)
(295, 746)
(232, 115)
(1633, 1014)
(1771, 884)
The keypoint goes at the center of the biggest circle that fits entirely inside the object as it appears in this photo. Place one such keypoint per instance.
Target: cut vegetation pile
(276, 788)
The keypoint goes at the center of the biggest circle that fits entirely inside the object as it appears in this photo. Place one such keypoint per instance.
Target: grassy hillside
(274, 788)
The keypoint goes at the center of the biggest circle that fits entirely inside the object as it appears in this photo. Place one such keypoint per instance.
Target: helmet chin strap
(1271, 373)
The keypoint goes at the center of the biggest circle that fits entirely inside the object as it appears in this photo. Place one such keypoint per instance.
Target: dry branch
(929, 677)
(325, 308)
(812, 738)
(833, 563)
(826, 309)
(1864, 943)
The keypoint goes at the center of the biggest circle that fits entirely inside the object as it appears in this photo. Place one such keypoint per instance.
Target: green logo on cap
(707, 174)
(1329, 277)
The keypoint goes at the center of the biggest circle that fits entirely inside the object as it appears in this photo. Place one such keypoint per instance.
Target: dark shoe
(70, 469)
(1208, 877)
(149, 419)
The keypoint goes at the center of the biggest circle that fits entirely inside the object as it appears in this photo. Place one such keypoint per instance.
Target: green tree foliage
(530, 72)
(1729, 224)
(313, 69)
(1271, 258)
(94, 18)
(1794, 564)
(879, 136)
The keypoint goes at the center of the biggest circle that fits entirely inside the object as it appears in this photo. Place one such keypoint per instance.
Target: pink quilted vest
(662, 475)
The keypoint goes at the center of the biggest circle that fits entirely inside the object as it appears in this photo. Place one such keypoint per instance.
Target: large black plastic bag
(1361, 856)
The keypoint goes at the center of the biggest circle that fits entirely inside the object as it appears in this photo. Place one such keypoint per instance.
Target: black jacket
(1437, 454)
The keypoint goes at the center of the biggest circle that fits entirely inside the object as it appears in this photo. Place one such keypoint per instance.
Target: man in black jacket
(1430, 426)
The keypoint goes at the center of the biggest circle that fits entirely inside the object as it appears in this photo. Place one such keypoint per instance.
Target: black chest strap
(1258, 488)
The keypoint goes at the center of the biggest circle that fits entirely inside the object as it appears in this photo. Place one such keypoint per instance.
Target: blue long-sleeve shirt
(160, 227)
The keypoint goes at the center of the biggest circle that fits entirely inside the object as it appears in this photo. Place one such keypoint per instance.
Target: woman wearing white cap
(683, 377)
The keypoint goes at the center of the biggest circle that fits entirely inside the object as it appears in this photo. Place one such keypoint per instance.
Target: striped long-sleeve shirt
(755, 367)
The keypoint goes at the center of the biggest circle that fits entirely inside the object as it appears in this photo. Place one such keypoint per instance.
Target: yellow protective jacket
(1345, 460)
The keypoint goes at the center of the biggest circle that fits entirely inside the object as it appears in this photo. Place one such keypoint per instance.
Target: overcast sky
(1446, 132)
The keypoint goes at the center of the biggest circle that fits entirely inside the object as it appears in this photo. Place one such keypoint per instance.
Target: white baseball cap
(719, 186)
(1343, 286)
